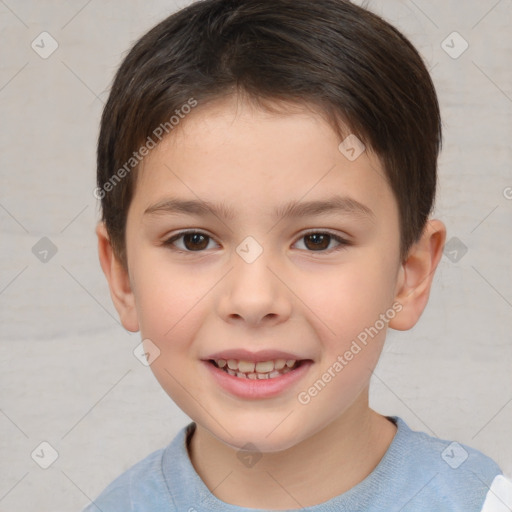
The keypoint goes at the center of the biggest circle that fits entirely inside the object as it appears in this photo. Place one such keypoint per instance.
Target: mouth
(256, 375)
(257, 370)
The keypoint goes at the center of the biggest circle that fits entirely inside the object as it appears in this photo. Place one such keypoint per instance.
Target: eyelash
(343, 243)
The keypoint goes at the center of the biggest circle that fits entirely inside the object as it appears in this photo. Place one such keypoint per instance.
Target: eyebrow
(334, 204)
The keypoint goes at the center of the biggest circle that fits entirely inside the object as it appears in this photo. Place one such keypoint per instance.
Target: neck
(325, 465)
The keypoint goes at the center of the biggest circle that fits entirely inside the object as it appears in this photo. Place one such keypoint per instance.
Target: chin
(265, 436)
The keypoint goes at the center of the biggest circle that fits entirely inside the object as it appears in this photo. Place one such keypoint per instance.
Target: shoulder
(451, 474)
(143, 487)
(127, 491)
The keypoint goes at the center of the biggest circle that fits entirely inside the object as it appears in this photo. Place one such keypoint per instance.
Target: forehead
(235, 153)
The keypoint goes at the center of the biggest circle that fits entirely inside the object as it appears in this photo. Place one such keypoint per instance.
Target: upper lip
(260, 355)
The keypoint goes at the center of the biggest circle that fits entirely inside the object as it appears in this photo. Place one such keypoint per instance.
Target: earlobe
(416, 275)
(118, 281)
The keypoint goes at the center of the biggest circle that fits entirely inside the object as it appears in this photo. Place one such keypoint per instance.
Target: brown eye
(317, 242)
(195, 241)
(189, 242)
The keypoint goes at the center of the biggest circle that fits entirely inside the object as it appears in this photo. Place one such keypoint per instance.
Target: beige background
(67, 371)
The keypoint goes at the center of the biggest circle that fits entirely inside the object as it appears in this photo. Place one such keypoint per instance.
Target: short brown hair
(354, 67)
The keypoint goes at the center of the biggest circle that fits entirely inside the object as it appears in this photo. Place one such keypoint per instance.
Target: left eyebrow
(334, 204)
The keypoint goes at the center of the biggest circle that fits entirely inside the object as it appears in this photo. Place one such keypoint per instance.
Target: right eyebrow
(190, 207)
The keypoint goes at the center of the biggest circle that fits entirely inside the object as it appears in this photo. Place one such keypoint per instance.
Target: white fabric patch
(499, 497)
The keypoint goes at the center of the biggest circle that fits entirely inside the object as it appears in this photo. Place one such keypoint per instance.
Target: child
(267, 169)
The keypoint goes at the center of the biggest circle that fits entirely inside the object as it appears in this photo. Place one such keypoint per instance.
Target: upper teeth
(251, 366)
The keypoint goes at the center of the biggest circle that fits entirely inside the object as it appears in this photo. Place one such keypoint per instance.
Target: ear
(118, 281)
(416, 275)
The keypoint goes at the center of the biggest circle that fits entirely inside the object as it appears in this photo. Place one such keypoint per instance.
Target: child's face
(308, 304)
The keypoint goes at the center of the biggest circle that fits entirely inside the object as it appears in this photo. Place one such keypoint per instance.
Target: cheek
(349, 297)
(169, 309)
(352, 307)
(166, 298)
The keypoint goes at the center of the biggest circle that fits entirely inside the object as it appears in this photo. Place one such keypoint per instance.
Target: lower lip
(257, 388)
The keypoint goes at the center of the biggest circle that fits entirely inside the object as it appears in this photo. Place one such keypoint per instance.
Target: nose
(254, 293)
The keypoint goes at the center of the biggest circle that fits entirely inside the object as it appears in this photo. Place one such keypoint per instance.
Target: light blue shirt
(418, 473)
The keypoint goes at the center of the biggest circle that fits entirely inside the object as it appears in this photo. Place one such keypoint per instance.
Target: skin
(312, 303)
